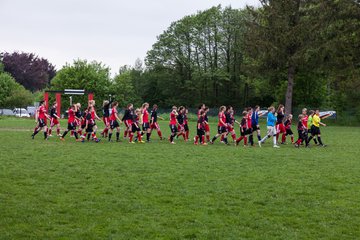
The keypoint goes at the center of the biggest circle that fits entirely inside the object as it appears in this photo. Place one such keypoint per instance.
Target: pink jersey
(113, 114)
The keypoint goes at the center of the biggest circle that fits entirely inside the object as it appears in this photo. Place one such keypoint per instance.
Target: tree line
(297, 52)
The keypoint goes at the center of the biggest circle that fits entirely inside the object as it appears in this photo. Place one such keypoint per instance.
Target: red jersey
(172, 118)
(41, 111)
(145, 116)
(287, 124)
(223, 118)
(113, 114)
(93, 114)
(305, 120)
(71, 115)
(248, 118)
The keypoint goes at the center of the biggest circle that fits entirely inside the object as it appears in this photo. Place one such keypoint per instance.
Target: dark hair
(280, 106)
(114, 104)
(54, 103)
(155, 106)
(248, 109)
(206, 108)
(129, 105)
(257, 106)
(201, 112)
(41, 102)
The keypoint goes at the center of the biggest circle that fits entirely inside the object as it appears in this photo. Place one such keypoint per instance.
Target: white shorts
(271, 131)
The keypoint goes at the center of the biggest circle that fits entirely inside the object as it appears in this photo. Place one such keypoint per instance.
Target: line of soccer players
(82, 124)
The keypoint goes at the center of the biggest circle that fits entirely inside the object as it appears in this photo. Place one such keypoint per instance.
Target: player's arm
(96, 116)
(117, 117)
(161, 118)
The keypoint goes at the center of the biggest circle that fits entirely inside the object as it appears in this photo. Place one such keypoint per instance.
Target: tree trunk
(289, 90)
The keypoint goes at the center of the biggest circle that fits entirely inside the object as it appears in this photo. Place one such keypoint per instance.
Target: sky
(114, 32)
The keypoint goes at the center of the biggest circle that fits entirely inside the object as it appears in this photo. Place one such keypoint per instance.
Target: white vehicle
(21, 112)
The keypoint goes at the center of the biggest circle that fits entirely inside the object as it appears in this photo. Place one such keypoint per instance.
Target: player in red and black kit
(206, 125)
(186, 126)
(40, 119)
(302, 130)
(243, 129)
(71, 122)
(153, 122)
(135, 126)
(145, 121)
(106, 117)
(127, 119)
(229, 114)
(172, 124)
(114, 121)
(221, 125)
(200, 129)
(249, 126)
(201, 108)
(83, 122)
(180, 120)
(94, 116)
(54, 120)
(280, 127)
(287, 124)
(90, 124)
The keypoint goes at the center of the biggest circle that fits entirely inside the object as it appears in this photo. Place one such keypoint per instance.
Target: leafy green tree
(13, 94)
(124, 90)
(81, 74)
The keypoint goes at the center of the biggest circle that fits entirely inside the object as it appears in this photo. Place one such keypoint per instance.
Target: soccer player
(201, 108)
(221, 125)
(250, 127)
(172, 124)
(255, 122)
(106, 117)
(206, 125)
(309, 125)
(114, 121)
(94, 116)
(90, 124)
(135, 127)
(127, 119)
(288, 121)
(271, 129)
(305, 121)
(153, 122)
(54, 120)
(229, 114)
(40, 119)
(280, 127)
(315, 129)
(200, 129)
(145, 121)
(243, 129)
(302, 130)
(180, 121)
(71, 122)
(186, 126)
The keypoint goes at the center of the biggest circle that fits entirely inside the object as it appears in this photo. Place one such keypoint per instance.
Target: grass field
(68, 190)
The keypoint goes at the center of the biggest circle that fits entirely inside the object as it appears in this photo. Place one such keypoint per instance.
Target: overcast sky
(115, 32)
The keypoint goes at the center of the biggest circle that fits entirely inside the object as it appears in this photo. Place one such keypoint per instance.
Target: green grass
(68, 190)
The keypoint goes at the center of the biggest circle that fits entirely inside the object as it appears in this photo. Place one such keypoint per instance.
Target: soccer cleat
(141, 141)
(259, 143)
(50, 135)
(62, 139)
(132, 142)
(172, 142)
(276, 146)
(204, 144)
(97, 140)
(32, 136)
(296, 145)
(322, 145)
(59, 135)
(195, 143)
(211, 142)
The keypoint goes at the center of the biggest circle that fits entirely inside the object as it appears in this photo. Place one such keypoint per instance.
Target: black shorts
(255, 128)
(42, 122)
(90, 128)
(83, 126)
(248, 131)
(145, 126)
(221, 129)
(186, 127)
(135, 128)
(302, 134)
(114, 124)
(71, 126)
(173, 128)
(289, 132)
(315, 130)
(200, 132)
(243, 134)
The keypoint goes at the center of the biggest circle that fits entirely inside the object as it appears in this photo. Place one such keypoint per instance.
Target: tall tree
(28, 69)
